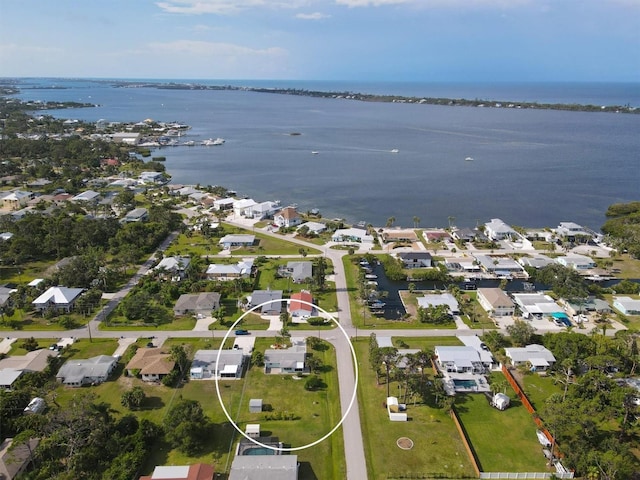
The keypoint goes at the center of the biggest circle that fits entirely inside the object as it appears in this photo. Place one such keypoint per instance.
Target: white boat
(211, 142)
(468, 159)
(370, 276)
(395, 150)
(314, 152)
(189, 143)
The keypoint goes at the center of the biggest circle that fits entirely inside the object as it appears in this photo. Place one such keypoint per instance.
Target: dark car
(242, 332)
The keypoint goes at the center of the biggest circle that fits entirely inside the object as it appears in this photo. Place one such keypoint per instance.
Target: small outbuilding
(500, 401)
(255, 405)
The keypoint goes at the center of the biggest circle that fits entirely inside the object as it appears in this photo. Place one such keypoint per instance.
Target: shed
(253, 430)
(500, 401)
(255, 405)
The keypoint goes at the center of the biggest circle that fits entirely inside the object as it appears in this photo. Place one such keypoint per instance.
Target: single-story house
(496, 229)
(415, 259)
(8, 376)
(398, 235)
(577, 262)
(537, 261)
(499, 265)
(223, 272)
(264, 467)
(238, 240)
(314, 227)
(88, 196)
(591, 304)
(287, 217)
(136, 215)
(204, 364)
(536, 304)
(61, 299)
(152, 364)
(35, 361)
(460, 359)
(299, 304)
(627, 305)
(198, 303)
(197, 471)
(290, 360)
(466, 234)
(298, 271)
(174, 267)
(436, 235)
(496, 302)
(14, 459)
(536, 355)
(5, 294)
(433, 300)
(466, 265)
(351, 235)
(259, 297)
(78, 373)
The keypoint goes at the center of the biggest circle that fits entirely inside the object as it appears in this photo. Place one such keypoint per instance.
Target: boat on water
(189, 143)
(395, 150)
(314, 152)
(211, 142)
(370, 276)
(468, 159)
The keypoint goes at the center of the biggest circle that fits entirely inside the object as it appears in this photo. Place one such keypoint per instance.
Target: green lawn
(504, 441)
(539, 388)
(438, 449)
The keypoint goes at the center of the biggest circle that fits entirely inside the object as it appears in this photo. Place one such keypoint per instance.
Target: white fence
(524, 475)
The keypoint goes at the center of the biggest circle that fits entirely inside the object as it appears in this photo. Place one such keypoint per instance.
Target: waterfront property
(536, 305)
(435, 299)
(497, 230)
(496, 302)
(415, 259)
(627, 305)
(287, 217)
(351, 235)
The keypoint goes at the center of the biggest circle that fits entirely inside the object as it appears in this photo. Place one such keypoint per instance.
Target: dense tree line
(623, 227)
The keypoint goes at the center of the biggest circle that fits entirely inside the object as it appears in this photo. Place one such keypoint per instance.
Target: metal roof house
(440, 299)
(291, 360)
(78, 373)
(204, 364)
(238, 240)
(59, 298)
(538, 356)
(223, 272)
(264, 467)
(460, 360)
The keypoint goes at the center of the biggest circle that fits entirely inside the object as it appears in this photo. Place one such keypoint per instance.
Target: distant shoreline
(365, 97)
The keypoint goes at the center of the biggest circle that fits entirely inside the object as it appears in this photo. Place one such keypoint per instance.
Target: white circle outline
(353, 396)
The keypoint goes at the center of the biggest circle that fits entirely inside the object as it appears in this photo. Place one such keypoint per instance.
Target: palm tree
(451, 220)
(390, 222)
(416, 222)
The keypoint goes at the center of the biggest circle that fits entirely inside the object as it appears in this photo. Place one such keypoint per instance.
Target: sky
(348, 40)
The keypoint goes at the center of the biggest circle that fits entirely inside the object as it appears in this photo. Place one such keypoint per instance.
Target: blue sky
(376, 40)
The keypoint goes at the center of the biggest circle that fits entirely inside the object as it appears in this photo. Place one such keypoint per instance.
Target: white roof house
(223, 203)
(460, 359)
(571, 230)
(536, 304)
(499, 265)
(238, 240)
(221, 271)
(175, 266)
(87, 196)
(60, 298)
(474, 342)
(347, 235)
(314, 227)
(538, 356)
(290, 360)
(496, 229)
(627, 305)
(440, 299)
(204, 364)
(244, 207)
(264, 467)
(536, 261)
(577, 262)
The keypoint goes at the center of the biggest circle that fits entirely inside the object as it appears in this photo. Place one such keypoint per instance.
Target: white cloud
(198, 48)
(312, 16)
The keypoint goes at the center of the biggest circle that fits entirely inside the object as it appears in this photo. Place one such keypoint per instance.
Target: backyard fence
(525, 475)
(465, 440)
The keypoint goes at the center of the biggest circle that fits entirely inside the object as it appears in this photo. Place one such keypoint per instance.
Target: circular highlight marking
(353, 395)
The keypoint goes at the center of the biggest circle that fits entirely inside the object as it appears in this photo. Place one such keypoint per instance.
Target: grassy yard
(438, 449)
(538, 388)
(504, 441)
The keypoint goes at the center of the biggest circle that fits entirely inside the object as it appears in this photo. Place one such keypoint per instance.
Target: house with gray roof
(264, 467)
(174, 266)
(237, 240)
(415, 259)
(136, 215)
(88, 196)
(61, 299)
(259, 297)
(497, 230)
(537, 261)
(14, 459)
(627, 305)
(224, 272)
(298, 271)
(197, 303)
(458, 359)
(572, 232)
(435, 299)
(204, 365)
(351, 235)
(536, 355)
(92, 371)
(289, 360)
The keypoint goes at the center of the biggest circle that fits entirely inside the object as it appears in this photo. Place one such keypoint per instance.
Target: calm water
(530, 167)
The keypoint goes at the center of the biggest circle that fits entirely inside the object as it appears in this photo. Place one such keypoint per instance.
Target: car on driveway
(242, 331)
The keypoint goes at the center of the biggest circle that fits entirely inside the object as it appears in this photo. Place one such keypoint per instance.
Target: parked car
(242, 332)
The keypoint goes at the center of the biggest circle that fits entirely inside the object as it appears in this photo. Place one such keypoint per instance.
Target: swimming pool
(467, 384)
(259, 451)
